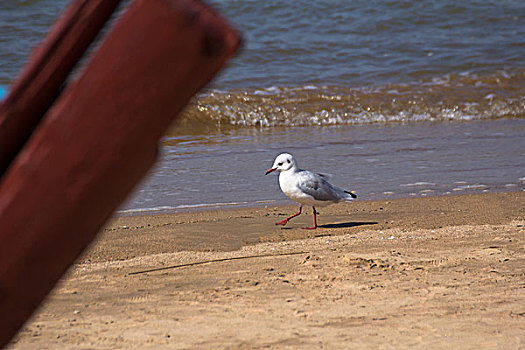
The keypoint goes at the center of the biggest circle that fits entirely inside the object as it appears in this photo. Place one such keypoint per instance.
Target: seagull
(305, 187)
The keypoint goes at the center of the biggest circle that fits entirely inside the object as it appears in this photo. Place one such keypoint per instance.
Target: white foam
(470, 187)
(418, 184)
(179, 207)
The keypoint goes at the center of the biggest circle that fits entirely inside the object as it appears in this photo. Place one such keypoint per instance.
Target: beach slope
(422, 272)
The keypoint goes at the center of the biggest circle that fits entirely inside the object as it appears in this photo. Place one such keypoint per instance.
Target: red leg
(285, 221)
(315, 221)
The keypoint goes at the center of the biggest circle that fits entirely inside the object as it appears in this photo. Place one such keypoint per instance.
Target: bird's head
(283, 162)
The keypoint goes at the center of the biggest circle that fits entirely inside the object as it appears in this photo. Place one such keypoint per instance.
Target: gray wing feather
(327, 177)
(317, 187)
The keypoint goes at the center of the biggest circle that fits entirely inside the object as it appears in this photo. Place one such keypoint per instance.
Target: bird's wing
(314, 185)
(327, 177)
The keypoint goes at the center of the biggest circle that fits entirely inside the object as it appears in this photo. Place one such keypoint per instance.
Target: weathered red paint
(39, 83)
(97, 141)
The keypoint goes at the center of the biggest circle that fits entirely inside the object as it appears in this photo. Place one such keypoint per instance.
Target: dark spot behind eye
(288, 160)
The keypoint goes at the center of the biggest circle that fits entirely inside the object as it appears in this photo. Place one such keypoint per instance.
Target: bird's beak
(270, 170)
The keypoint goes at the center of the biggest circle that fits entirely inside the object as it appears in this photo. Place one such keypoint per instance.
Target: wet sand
(429, 273)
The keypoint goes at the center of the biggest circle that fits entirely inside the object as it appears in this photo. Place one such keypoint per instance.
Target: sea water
(394, 98)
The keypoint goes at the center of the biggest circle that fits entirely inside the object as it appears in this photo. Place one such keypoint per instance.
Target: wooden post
(39, 83)
(97, 141)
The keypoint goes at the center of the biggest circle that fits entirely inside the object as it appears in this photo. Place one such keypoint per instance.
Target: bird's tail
(352, 194)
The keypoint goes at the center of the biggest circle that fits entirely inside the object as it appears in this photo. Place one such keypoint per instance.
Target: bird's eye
(279, 164)
(288, 160)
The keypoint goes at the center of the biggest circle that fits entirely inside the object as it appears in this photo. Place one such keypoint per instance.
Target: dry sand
(427, 273)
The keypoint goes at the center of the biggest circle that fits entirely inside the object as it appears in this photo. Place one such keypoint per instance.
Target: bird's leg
(285, 221)
(315, 221)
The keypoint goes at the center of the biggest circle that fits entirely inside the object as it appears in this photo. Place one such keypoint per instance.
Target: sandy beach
(433, 273)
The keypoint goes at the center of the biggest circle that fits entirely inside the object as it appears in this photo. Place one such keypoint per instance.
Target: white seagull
(306, 187)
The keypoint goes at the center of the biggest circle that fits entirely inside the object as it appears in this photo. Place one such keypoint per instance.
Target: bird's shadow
(339, 225)
(348, 224)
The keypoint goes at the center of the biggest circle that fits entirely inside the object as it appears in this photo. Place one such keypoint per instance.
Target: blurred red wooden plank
(97, 141)
(38, 85)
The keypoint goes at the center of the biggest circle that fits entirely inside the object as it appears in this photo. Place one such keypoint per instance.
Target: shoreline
(196, 208)
(229, 229)
(418, 272)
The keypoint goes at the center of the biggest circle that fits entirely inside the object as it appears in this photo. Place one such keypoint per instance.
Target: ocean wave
(460, 97)
(168, 208)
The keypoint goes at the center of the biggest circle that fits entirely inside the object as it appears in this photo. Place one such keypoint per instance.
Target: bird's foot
(310, 228)
(282, 223)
